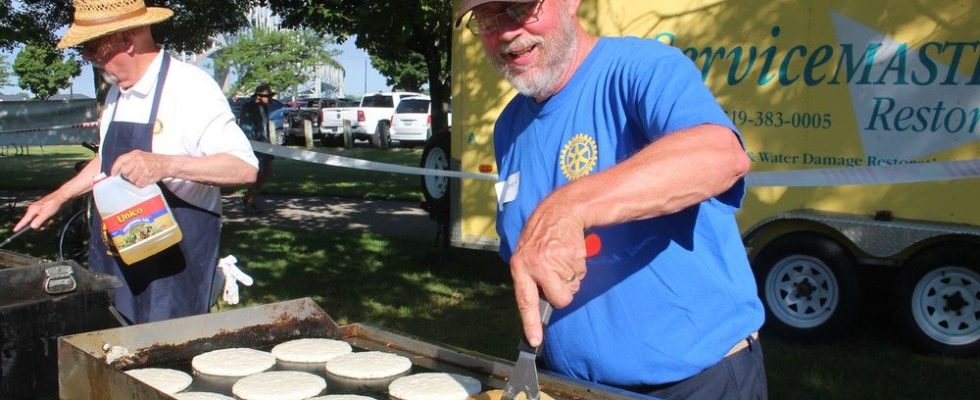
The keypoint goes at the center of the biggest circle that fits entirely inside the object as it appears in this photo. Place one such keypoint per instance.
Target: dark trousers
(740, 376)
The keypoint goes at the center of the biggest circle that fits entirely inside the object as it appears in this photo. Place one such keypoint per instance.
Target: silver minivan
(411, 124)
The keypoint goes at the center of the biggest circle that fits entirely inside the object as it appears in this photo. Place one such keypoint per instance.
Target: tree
(408, 75)
(4, 71)
(43, 69)
(406, 33)
(195, 22)
(31, 20)
(280, 58)
(190, 30)
(192, 26)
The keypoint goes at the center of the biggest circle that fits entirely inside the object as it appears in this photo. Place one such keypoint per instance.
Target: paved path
(388, 218)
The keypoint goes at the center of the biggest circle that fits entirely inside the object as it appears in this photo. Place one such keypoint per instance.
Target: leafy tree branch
(43, 69)
(281, 58)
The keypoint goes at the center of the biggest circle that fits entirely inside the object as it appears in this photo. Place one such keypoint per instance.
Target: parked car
(412, 122)
(236, 103)
(369, 121)
(293, 125)
(276, 114)
(322, 103)
(277, 117)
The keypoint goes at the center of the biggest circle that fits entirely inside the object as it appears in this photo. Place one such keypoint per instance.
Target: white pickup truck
(375, 110)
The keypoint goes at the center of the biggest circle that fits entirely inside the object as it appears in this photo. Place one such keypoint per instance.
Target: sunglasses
(95, 46)
(263, 95)
(523, 13)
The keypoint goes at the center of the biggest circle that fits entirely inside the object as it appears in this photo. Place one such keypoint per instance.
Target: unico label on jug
(137, 220)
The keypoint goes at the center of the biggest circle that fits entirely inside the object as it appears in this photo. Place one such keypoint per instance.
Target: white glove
(233, 275)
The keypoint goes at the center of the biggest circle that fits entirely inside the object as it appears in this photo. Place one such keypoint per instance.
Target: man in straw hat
(164, 123)
(620, 137)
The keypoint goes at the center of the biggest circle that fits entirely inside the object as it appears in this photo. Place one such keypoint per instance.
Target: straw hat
(95, 18)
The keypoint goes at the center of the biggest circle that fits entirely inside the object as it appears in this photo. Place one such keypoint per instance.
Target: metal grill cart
(40, 301)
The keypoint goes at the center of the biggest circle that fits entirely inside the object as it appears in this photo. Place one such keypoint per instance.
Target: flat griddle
(84, 372)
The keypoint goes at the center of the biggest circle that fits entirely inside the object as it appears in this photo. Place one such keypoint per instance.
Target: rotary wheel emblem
(578, 156)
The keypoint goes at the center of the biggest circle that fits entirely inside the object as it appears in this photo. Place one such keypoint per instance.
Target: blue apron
(176, 282)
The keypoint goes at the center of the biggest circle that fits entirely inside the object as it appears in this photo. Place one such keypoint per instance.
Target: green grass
(51, 166)
(464, 298)
(44, 168)
(398, 283)
(291, 177)
(869, 363)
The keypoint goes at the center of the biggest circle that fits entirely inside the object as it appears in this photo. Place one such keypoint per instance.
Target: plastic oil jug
(137, 220)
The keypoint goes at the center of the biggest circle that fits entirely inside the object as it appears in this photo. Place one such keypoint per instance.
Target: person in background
(621, 138)
(164, 123)
(254, 121)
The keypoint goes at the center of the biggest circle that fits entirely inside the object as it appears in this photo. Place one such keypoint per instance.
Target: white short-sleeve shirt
(193, 119)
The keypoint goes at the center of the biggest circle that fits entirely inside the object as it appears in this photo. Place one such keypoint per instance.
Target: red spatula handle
(593, 245)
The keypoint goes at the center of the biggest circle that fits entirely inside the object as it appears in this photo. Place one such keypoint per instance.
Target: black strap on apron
(177, 281)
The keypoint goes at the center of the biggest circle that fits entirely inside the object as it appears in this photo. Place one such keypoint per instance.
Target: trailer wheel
(939, 299)
(435, 155)
(808, 285)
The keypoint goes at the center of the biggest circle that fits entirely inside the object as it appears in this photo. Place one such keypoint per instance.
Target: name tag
(507, 190)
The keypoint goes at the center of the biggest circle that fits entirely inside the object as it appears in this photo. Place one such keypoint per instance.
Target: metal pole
(365, 75)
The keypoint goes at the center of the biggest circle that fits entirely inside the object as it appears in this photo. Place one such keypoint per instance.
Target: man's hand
(141, 168)
(39, 213)
(550, 254)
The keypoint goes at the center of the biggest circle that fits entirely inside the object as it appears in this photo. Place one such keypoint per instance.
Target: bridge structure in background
(325, 80)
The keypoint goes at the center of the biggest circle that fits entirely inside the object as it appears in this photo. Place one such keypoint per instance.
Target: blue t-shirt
(668, 296)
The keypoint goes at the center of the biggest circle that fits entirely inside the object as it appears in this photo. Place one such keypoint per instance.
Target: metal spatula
(15, 235)
(524, 377)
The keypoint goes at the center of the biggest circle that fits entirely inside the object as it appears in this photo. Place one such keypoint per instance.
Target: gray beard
(558, 52)
(107, 77)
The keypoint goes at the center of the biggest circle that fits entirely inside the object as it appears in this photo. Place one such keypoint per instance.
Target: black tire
(938, 299)
(436, 155)
(382, 136)
(73, 238)
(808, 285)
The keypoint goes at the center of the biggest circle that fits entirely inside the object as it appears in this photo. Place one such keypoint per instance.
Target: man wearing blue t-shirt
(620, 137)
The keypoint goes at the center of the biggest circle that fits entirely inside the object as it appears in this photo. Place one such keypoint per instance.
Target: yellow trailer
(860, 119)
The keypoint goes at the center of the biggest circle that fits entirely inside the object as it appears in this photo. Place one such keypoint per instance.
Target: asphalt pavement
(388, 218)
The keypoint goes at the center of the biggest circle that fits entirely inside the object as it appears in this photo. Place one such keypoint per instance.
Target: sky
(352, 59)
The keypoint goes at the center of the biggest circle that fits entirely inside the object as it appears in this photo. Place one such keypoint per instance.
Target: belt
(742, 344)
